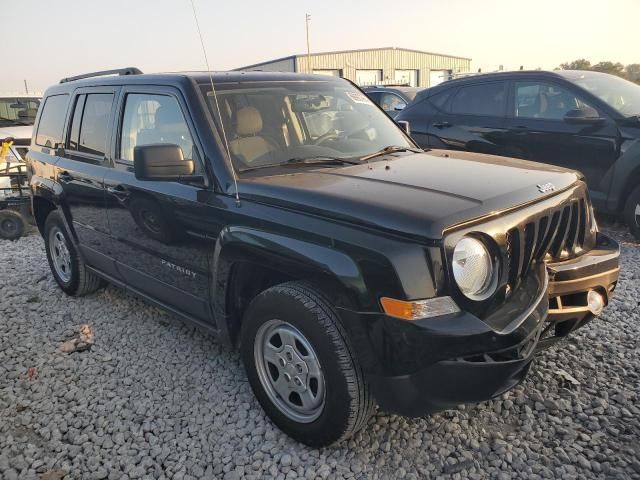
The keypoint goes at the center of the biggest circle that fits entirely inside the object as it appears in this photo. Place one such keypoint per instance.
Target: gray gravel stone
(154, 398)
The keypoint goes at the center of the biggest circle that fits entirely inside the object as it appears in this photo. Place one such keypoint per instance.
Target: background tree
(609, 67)
(580, 64)
(630, 72)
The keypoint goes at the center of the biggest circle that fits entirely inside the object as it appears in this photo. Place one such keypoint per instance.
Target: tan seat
(249, 145)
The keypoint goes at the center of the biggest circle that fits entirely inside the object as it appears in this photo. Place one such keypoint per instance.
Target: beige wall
(385, 59)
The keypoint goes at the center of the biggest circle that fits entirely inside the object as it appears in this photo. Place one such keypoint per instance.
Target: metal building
(374, 66)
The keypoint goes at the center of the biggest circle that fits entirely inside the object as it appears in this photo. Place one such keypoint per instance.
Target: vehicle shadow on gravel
(154, 397)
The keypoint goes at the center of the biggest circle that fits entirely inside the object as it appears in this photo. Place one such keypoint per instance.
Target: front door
(538, 131)
(162, 233)
(83, 162)
(474, 120)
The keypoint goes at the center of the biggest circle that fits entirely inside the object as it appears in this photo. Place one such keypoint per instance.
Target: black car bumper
(417, 368)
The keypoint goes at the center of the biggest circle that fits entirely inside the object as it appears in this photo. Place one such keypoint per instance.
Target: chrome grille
(555, 236)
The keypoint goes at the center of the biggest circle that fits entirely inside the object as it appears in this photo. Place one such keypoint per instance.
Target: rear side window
(51, 121)
(94, 126)
(74, 136)
(487, 99)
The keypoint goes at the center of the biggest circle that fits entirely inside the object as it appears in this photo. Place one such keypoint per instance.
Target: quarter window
(487, 99)
(152, 119)
(544, 101)
(52, 121)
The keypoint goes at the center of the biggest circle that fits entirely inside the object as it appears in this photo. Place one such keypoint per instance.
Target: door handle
(521, 127)
(65, 177)
(119, 192)
(441, 124)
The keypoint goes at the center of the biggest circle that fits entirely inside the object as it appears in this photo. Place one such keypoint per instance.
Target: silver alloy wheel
(60, 256)
(637, 212)
(289, 371)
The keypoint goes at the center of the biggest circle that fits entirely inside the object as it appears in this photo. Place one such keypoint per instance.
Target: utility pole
(26, 88)
(307, 19)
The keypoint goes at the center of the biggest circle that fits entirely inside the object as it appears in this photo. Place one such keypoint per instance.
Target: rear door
(81, 168)
(162, 233)
(538, 130)
(474, 119)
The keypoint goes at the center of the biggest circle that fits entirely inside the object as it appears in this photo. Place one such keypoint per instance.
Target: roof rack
(117, 71)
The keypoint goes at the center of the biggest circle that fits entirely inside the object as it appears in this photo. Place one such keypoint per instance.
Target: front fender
(279, 252)
(627, 168)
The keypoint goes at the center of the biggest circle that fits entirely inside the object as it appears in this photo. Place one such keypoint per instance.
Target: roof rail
(117, 71)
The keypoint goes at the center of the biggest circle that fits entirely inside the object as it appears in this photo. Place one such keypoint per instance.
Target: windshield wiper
(318, 160)
(387, 150)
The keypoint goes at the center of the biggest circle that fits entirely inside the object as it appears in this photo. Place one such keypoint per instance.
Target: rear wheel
(67, 267)
(301, 366)
(632, 212)
(12, 225)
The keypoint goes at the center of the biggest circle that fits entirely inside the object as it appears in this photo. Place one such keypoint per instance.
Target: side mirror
(162, 162)
(400, 107)
(405, 126)
(583, 115)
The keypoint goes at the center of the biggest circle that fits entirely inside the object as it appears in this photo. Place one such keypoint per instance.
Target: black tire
(12, 225)
(80, 281)
(632, 212)
(347, 404)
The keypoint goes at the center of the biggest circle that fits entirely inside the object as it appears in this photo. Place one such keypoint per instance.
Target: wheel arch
(42, 207)
(248, 261)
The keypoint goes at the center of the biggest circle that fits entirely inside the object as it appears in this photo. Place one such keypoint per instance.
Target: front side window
(270, 123)
(94, 126)
(486, 99)
(152, 119)
(18, 111)
(52, 121)
(544, 100)
(390, 102)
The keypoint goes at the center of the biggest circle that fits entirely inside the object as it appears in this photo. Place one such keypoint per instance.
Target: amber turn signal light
(417, 309)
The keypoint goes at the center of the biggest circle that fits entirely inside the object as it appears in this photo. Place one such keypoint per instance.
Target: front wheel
(632, 212)
(301, 366)
(69, 270)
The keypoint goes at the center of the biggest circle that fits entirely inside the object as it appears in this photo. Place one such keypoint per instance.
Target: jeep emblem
(546, 187)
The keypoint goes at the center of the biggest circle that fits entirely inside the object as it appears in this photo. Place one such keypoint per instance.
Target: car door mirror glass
(405, 126)
(400, 107)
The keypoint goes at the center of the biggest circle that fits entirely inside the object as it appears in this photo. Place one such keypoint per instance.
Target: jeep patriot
(291, 217)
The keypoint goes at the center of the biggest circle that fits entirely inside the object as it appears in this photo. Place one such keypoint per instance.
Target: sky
(45, 40)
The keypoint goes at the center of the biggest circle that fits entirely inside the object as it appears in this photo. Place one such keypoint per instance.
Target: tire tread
(362, 406)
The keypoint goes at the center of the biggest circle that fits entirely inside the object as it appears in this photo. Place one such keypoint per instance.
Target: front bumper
(421, 367)
(571, 280)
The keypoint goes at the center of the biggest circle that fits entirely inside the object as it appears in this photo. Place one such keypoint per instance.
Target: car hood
(17, 132)
(419, 195)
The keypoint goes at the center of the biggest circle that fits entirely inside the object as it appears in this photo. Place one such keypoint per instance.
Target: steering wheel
(331, 135)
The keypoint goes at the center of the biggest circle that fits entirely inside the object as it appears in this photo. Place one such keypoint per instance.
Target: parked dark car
(290, 216)
(583, 120)
(392, 99)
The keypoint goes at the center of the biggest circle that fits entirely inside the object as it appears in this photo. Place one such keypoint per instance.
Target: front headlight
(473, 269)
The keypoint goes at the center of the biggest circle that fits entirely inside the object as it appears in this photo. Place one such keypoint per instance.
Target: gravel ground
(153, 398)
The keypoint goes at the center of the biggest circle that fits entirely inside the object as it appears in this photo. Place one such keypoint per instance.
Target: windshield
(18, 111)
(619, 93)
(270, 123)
